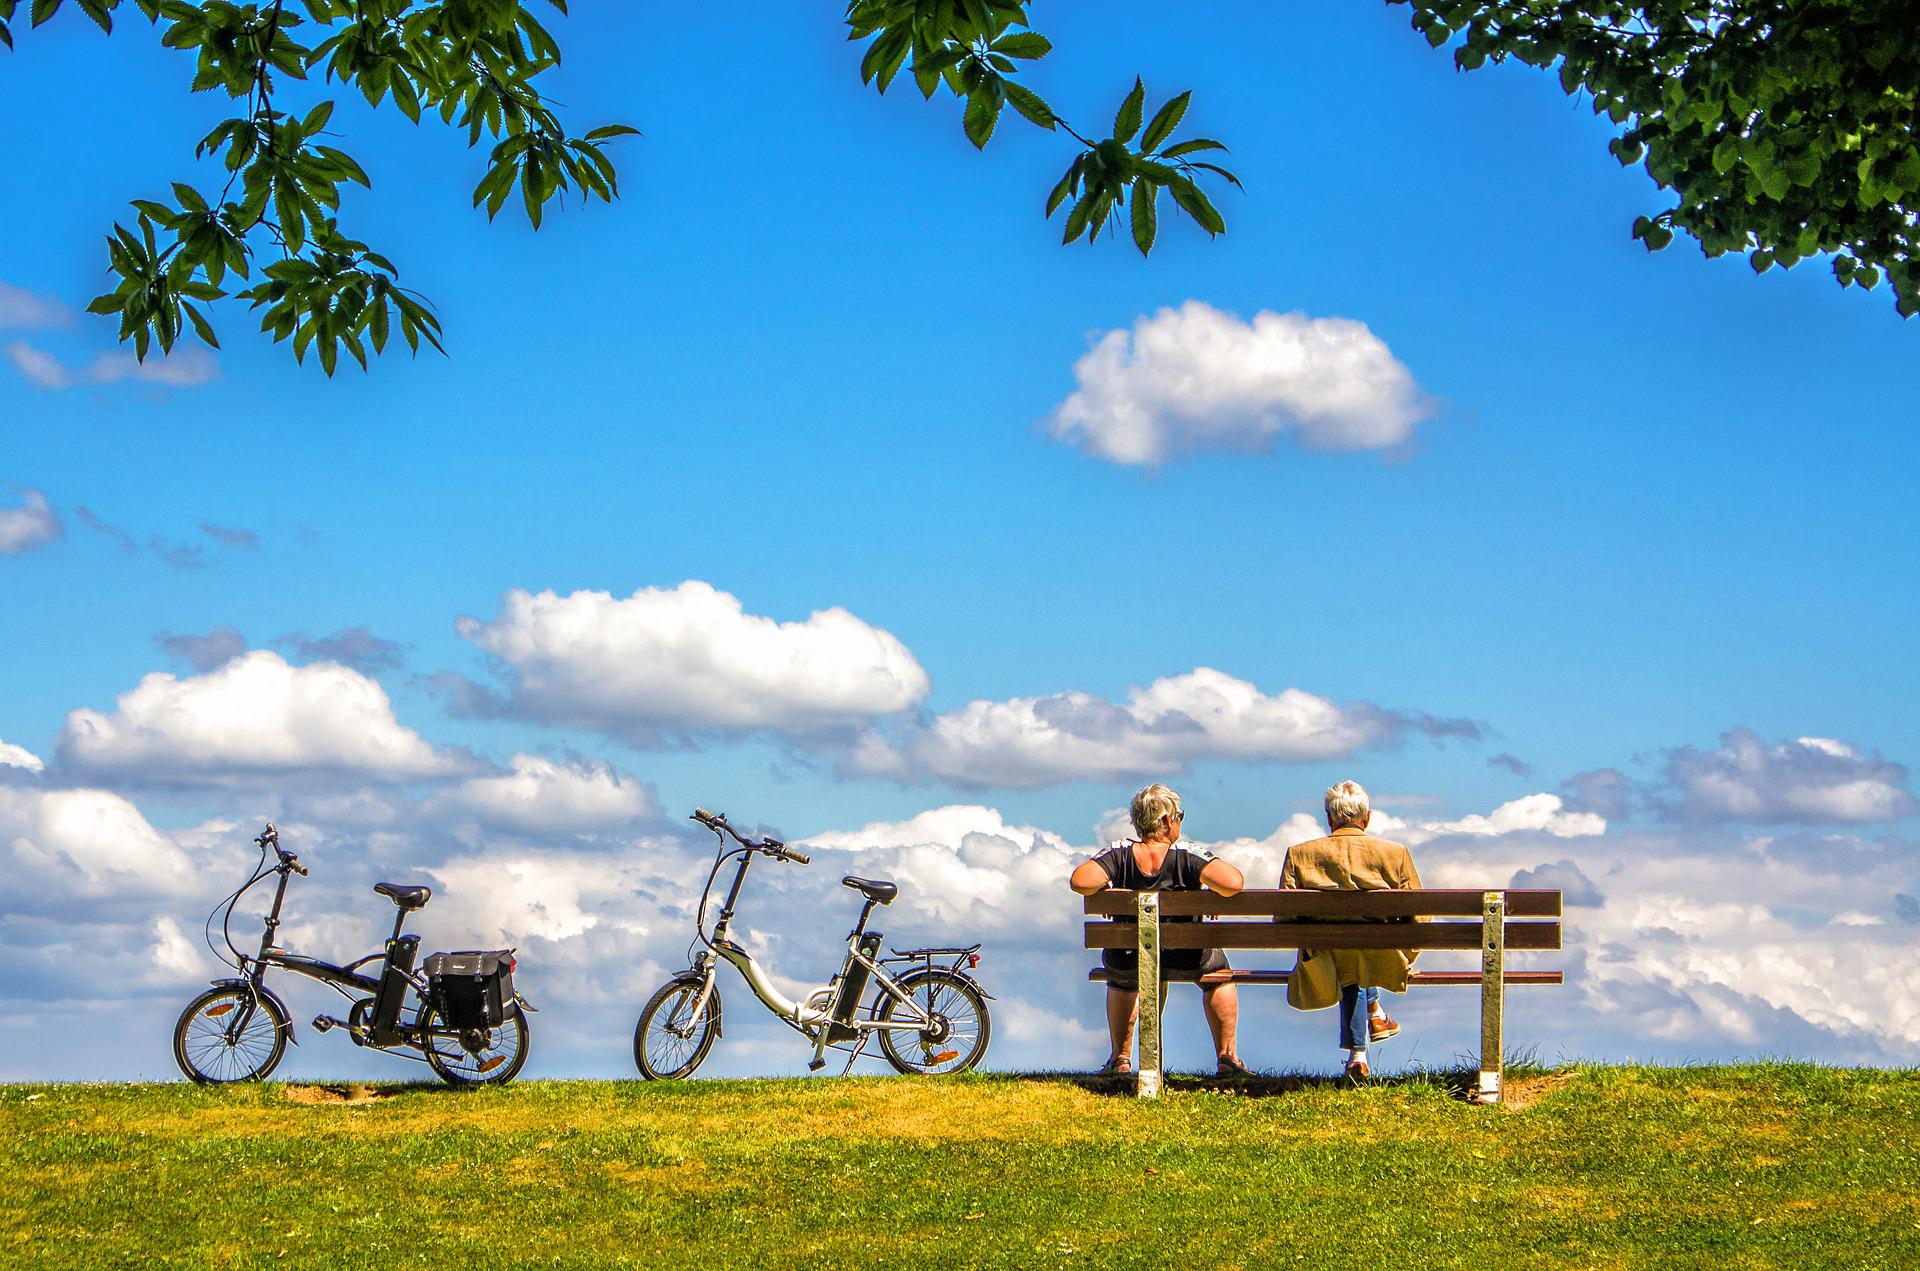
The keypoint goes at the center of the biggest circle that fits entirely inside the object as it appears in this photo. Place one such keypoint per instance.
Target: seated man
(1350, 859)
(1154, 862)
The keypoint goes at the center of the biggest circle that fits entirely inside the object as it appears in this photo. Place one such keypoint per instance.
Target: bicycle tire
(657, 1052)
(466, 1068)
(209, 1057)
(961, 1045)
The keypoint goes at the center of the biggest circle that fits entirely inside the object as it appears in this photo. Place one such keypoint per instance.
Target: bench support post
(1493, 952)
(1147, 1084)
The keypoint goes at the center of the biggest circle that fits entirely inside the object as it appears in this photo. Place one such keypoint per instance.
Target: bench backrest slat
(1322, 935)
(1277, 903)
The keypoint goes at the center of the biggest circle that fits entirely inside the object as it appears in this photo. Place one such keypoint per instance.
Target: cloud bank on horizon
(1689, 933)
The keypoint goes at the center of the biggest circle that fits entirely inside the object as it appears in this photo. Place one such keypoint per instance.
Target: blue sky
(809, 359)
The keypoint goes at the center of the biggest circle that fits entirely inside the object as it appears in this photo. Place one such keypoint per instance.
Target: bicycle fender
(713, 1000)
(270, 995)
(922, 973)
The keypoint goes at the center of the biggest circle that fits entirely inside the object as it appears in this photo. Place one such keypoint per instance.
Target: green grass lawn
(1762, 1166)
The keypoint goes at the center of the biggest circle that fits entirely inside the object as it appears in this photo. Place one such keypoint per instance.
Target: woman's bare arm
(1223, 877)
(1088, 878)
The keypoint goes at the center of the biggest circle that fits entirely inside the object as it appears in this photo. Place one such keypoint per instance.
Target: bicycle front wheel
(668, 1042)
(496, 1063)
(229, 1033)
(955, 1039)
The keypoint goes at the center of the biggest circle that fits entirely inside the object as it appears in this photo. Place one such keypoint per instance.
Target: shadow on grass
(1459, 1082)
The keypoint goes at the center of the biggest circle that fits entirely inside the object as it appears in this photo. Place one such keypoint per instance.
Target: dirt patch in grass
(322, 1096)
(1523, 1091)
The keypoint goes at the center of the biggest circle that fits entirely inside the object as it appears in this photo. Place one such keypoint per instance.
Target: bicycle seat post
(861, 925)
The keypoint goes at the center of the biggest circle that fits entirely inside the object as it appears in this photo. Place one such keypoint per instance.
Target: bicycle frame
(823, 1017)
(349, 980)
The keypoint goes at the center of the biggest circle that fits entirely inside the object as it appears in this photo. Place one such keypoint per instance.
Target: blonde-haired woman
(1154, 861)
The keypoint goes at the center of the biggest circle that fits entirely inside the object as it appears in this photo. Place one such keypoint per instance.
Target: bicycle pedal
(815, 1065)
(326, 1023)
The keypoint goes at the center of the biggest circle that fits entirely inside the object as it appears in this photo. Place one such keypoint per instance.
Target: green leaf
(1023, 44)
(1127, 121)
(1145, 219)
(983, 112)
(1195, 204)
(1065, 187)
(1191, 147)
(1165, 120)
(1028, 103)
(1077, 218)
(201, 327)
(613, 130)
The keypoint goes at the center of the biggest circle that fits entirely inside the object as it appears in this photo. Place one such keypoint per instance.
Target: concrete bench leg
(1147, 1084)
(1493, 955)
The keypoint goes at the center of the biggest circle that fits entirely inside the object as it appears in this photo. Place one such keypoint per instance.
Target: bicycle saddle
(879, 892)
(405, 897)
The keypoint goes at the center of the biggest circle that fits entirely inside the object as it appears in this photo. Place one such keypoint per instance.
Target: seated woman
(1155, 862)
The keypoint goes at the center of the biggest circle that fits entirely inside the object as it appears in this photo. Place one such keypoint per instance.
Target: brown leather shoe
(1357, 1070)
(1379, 1028)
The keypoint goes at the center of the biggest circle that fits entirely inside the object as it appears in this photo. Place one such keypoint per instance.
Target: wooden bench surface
(1316, 919)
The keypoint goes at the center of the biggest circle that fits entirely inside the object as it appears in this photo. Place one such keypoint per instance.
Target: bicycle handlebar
(717, 822)
(292, 862)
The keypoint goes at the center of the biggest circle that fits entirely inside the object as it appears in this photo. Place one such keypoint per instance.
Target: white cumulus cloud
(28, 526)
(83, 844)
(1195, 378)
(542, 796)
(1161, 728)
(252, 718)
(12, 756)
(677, 661)
(1810, 780)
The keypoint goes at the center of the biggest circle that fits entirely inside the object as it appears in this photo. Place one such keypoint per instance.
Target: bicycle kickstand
(853, 1052)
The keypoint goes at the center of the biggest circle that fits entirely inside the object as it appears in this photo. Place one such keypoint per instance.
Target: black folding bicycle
(462, 1017)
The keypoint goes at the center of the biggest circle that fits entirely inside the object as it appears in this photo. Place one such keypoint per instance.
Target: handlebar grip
(293, 863)
(707, 818)
(798, 858)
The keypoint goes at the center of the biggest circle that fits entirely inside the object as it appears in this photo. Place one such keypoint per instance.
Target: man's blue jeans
(1356, 1004)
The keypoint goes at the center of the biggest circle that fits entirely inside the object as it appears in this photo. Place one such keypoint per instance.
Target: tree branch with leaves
(972, 49)
(472, 62)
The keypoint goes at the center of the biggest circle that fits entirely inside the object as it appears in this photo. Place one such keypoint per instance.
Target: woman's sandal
(1117, 1066)
(1230, 1066)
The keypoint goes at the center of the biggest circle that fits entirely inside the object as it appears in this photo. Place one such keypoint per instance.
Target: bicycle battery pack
(474, 988)
(401, 951)
(852, 985)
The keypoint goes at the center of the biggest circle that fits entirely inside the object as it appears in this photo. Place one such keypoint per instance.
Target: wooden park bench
(1490, 921)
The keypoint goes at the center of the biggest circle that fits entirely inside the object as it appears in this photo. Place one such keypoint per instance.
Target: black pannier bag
(473, 988)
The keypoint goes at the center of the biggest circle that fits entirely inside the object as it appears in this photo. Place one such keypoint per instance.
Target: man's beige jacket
(1349, 859)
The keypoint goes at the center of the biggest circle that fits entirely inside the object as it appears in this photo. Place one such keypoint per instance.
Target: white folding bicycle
(928, 1018)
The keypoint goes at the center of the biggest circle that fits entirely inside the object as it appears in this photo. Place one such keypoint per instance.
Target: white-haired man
(1155, 862)
(1350, 859)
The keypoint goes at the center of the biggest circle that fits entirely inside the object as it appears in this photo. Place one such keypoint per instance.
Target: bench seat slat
(1322, 935)
(1268, 902)
(1459, 979)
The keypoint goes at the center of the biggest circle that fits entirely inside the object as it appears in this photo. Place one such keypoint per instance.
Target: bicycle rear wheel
(668, 1042)
(958, 1036)
(495, 1064)
(229, 1034)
